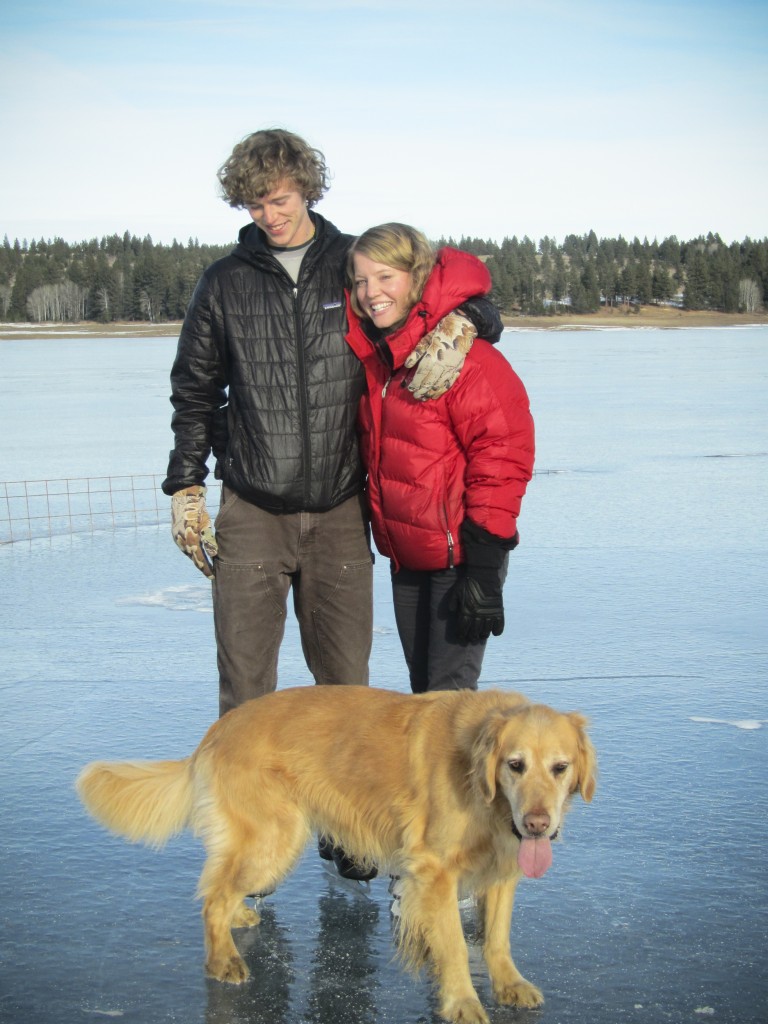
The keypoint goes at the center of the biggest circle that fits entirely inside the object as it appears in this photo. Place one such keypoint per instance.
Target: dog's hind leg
(220, 910)
(243, 858)
(509, 986)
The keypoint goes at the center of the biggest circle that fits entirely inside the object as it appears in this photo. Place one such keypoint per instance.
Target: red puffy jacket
(432, 463)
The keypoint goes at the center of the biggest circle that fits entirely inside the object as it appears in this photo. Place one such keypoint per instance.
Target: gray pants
(436, 659)
(325, 559)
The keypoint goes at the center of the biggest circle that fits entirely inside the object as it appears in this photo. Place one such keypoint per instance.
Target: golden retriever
(455, 792)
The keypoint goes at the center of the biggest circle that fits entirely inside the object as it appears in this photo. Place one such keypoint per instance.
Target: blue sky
(481, 117)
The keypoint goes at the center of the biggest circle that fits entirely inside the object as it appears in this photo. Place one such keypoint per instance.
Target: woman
(445, 477)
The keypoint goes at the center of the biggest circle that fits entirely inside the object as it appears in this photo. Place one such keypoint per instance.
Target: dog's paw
(232, 970)
(245, 917)
(464, 1011)
(518, 993)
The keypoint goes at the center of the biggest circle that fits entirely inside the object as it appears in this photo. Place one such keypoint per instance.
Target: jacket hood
(456, 277)
(252, 241)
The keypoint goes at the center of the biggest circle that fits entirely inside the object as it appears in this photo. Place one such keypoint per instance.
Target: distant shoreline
(666, 318)
(88, 329)
(663, 317)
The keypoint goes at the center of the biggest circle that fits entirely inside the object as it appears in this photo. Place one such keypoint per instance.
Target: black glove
(476, 597)
(478, 605)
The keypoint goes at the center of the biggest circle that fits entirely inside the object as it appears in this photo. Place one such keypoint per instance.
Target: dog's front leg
(509, 986)
(432, 924)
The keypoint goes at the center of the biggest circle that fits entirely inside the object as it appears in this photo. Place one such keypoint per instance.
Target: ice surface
(638, 595)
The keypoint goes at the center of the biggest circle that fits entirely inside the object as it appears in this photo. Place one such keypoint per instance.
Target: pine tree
(697, 282)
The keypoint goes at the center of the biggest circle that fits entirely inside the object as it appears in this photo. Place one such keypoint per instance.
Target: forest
(125, 278)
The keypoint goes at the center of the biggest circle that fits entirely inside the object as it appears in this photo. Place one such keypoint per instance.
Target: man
(264, 378)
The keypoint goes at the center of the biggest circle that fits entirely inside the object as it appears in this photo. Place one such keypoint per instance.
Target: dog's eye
(517, 765)
(560, 768)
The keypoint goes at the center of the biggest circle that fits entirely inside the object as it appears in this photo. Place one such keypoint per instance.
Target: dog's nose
(536, 823)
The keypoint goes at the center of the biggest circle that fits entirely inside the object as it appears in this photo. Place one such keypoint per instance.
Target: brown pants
(325, 559)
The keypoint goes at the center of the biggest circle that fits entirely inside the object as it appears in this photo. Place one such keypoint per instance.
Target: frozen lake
(638, 595)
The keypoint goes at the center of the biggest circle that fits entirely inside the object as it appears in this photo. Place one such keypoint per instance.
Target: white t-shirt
(291, 257)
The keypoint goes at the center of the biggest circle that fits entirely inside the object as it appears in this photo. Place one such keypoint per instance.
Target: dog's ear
(586, 766)
(485, 754)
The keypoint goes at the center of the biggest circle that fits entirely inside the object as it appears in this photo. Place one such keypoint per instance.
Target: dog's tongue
(534, 857)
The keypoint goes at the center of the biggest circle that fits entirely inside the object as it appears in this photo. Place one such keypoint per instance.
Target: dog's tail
(145, 801)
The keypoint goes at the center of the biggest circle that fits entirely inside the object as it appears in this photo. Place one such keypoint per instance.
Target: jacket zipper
(449, 536)
(377, 446)
(301, 373)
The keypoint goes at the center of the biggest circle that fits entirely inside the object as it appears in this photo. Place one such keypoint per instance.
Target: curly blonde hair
(395, 245)
(266, 158)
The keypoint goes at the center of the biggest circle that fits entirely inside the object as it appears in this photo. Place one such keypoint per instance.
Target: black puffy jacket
(264, 378)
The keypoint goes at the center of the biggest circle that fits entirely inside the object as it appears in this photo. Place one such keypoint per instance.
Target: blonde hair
(395, 245)
(264, 159)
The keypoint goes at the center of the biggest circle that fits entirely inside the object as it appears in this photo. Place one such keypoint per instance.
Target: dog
(456, 792)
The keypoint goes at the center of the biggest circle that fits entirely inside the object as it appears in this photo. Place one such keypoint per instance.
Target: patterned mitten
(439, 357)
(191, 527)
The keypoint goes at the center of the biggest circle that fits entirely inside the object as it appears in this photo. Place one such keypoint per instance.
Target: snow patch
(738, 723)
(187, 597)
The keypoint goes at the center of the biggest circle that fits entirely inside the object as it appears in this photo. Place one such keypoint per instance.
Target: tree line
(115, 278)
(585, 272)
(123, 277)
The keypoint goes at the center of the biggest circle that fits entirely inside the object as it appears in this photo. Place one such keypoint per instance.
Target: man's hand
(439, 357)
(191, 527)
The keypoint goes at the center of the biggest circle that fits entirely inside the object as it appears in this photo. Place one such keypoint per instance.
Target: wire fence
(30, 509)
